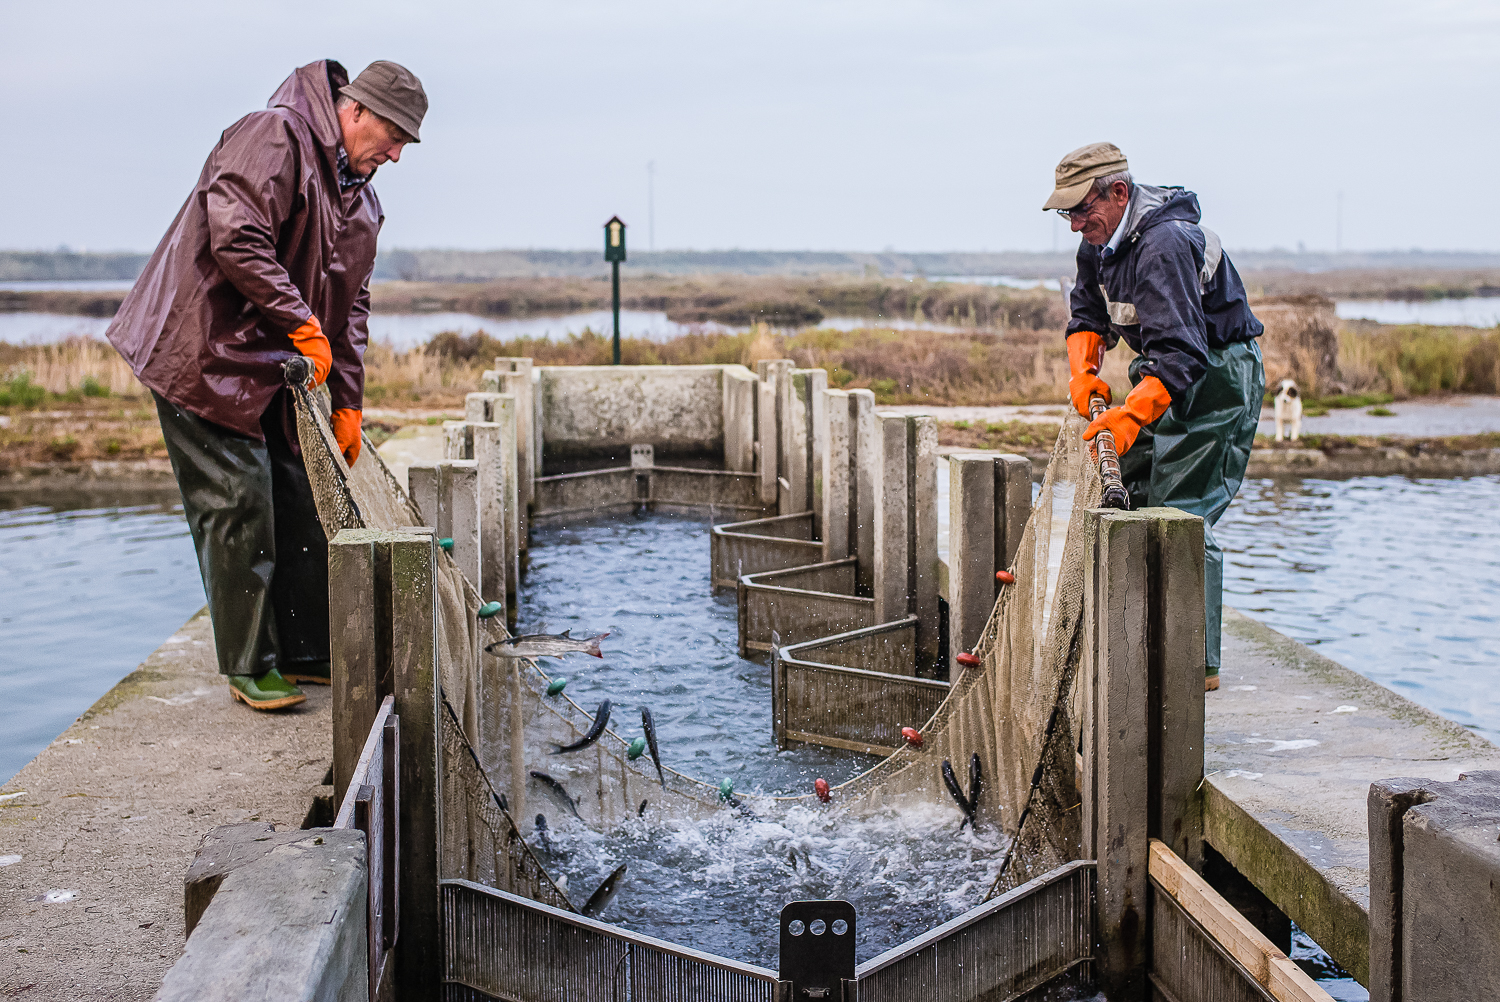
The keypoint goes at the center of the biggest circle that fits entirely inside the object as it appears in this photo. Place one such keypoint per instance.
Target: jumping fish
(544, 645)
(968, 804)
(557, 791)
(605, 893)
(601, 721)
(649, 726)
(541, 829)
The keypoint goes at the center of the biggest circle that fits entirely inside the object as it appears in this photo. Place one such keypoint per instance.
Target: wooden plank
(354, 648)
(840, 743)
(373, 747)
(1231, 930)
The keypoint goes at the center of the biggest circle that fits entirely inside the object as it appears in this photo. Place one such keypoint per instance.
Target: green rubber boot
(304, 672)
(265, 692)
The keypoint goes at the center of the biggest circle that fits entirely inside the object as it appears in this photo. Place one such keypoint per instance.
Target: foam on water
(719, 885)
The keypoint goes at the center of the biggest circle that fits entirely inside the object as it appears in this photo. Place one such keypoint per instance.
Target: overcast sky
(803, 125)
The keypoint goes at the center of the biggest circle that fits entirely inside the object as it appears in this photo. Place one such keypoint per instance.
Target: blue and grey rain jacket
(1166, 286)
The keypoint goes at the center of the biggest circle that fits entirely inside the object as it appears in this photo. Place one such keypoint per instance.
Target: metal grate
(500, 946)
(1187, 963)
(998, 951)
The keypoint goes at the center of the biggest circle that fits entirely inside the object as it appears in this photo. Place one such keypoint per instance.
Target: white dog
(1289, 409)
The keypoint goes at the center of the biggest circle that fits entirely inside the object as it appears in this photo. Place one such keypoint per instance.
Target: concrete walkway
(98, 830)
(1293, 742)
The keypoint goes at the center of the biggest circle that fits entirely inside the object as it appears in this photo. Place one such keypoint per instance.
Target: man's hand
(1085, 356)
(310, 340)
(1147, 402)
(346, 429)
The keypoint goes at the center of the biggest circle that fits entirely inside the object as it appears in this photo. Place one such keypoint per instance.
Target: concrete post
(518, 384)
(462, 485)
(864, 453)
(807, 390)
(424, 484)
(779, 374)
(892, 562)
(739, 418)
(484, 439)
(1142, 720)
(767, 441)
(1012, 506)
(1115, 747)
(835, 466)
(922, 487)
(500, 409)
(1434, 871)
(972, 512)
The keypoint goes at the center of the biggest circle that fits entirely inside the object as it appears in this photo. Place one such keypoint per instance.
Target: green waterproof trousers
(261, 548)
(1194, 456)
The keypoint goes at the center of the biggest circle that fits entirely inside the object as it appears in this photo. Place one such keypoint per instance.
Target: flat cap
(393, 92)
(1079, 169)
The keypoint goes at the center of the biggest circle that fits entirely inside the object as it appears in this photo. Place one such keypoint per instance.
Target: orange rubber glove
(346, 430)
(1085, 356)
(310, 340)
(1147, 402)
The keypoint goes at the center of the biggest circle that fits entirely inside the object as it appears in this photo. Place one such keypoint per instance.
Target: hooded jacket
(265, 240)
(1166, 286)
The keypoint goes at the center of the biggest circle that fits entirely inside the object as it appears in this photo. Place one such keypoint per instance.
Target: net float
(446, 544)
(556, 685)
(820, 787)
(637, 747)
(1005, 577)
(489, 609)
(726, 789)
(913, 736)
(967, 660)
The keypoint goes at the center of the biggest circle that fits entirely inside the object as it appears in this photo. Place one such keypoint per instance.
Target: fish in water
(649, 726)
(546, 645)
(558, 793)
(541, 828)
(642, 812)
(967, 804)
(605, 893)
(601, 721)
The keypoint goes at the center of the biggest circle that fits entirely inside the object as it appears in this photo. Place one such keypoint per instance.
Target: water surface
(90, 592)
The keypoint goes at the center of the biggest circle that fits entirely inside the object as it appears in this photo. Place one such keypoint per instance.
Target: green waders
(1194, 457)
(261, 548)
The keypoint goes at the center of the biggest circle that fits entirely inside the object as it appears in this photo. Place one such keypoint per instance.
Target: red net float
(1005, 577)
(820, 787)
(967, 660)
(912, 736)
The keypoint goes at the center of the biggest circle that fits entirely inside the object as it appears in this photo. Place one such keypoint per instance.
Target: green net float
(446, 543)
(489, 609)
(636, 748)
(726, 789)
(556, 685)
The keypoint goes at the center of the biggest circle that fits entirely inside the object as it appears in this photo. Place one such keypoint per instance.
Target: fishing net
(499, 727)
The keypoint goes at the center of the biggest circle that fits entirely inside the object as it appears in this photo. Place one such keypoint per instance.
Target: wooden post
(1012, 506)
(809, 423)
(971, 550)
(739, 418)
(419, 950)
(1176, 697)
(767, 439)
(358, 644)
(500, 409)
(485, 451)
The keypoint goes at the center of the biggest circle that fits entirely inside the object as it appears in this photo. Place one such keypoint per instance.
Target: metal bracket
(817, 950)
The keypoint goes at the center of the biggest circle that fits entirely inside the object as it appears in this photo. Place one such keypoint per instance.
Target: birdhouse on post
(614, 253)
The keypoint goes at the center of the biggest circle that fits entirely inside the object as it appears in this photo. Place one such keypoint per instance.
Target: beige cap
(1079, 169)
(393, 92)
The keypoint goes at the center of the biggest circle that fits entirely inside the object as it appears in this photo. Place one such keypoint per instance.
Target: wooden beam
(1246, 944)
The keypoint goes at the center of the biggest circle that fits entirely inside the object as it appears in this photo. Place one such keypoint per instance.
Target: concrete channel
(106, 821)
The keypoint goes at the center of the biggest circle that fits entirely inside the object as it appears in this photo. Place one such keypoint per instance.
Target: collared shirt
(347, 177)
(1143, 198)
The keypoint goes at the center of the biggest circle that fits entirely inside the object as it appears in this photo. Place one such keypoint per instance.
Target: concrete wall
(286, 919)
(597, 410)
(1435, 889)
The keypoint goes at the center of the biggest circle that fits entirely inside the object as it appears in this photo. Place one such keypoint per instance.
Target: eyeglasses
(1080, 210)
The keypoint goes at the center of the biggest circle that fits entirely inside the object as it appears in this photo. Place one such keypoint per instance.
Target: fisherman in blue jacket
(1149, 273)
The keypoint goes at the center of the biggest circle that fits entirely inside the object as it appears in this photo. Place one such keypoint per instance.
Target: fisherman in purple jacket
(269, 258)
